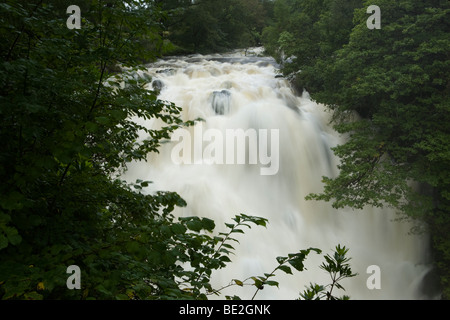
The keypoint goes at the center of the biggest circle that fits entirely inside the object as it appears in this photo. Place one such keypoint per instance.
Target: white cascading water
(237, 91)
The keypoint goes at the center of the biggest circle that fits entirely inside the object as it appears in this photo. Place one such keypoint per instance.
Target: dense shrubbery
(67, 136)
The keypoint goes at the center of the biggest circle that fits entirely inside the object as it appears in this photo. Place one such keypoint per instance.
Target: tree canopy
(67, 134)
(214, 25)
(388, 89)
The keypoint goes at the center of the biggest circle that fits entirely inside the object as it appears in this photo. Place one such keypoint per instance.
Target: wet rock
(168, 71)
(157, 85)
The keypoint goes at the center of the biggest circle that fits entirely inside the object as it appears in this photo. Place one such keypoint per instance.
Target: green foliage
(315, 27)
(67, 132)
(389, 90)
(338, 268)
(214, 25)
(294, 259)
(213, 251)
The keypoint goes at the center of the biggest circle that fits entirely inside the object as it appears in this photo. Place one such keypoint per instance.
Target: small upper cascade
(221, 102)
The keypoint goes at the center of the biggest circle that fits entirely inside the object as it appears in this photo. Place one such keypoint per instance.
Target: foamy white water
(237, 92)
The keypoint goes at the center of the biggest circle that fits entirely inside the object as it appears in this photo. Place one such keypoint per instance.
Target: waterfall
(238, 92)
(221, 101)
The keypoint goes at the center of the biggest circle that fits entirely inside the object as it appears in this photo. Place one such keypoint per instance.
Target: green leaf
(281, 259)
(233, 297)
(286, 269)
(103, 120)
(118, 114)
(194, 225)
(91, 126)
(33, 296)
(145, 183)
(13, 236)
(297, 263)
(238, 282)
(208, 224)
(257, 282)
(178, 228)
(133, 247)
(229, 246)
(224, 259)
(3, 242)
(271, 283)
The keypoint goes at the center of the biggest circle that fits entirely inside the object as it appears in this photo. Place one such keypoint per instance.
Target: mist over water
(235, 91)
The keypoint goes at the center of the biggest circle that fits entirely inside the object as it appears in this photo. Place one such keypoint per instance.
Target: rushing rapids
(239, 92)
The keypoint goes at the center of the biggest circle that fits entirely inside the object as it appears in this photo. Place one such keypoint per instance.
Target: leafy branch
(294, 259)
(339, 269)
(336, 265)
(215, 251)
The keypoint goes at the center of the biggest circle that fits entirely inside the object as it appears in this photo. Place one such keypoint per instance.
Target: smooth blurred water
(257, 99)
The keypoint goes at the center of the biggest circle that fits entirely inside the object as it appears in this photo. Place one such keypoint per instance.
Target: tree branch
(8, 56)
